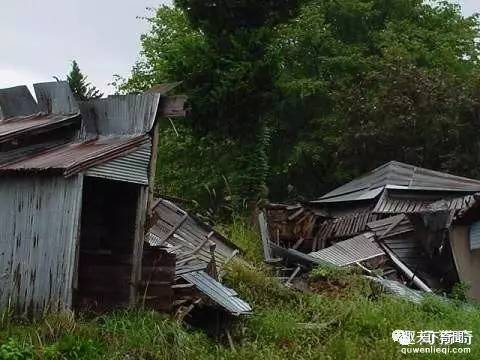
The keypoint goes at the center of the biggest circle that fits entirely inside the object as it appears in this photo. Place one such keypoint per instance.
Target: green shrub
(15, 350)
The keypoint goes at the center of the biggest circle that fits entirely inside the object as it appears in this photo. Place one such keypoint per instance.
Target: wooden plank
(298, 243)
(267, 252)
(138, 243)
(153, 164)
(294, 274)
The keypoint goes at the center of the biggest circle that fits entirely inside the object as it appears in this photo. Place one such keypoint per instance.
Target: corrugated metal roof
(404, 176)
(17, 101)
(365, 194)
(458, 203)
(359, 248)
(392, 205)
(400, 290)
(133, 168)
(391, 226)
(219, 293)
(186, 236)
(345, 226)
(120, 115)
(14, 127)
(410, 202)
(78, 156)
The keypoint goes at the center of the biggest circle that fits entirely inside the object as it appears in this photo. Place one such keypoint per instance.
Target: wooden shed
(75, 181)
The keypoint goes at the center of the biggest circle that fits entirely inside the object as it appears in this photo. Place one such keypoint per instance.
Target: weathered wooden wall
(39, 226)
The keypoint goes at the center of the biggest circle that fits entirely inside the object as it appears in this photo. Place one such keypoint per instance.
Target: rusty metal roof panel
(405, 177)
(133, 167)
(219, 293)
(356, 249)
(16, 126)
(75, 157)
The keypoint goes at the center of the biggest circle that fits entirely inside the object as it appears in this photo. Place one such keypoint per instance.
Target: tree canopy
(296, 97)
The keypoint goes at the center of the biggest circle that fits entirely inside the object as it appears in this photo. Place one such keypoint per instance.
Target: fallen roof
(398, 289)
(399, 176)
(13, 127)
(347, 225)
(359, 248)
(391, 226)
(194, 243)
(75, 157)
(219, 293)
(187, 236)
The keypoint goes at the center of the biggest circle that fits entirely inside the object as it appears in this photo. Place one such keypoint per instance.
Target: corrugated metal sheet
(392, 202)
(78, 156)
(407, 177)
(120, 115)
(185, 236)
(408, 250)
(133, 167)
(359, 248)
(354, 196)
(56, 98)
(219, 293)
(17, 101)
(458, 203)
(400, 290)
(14, 127)
(345, 226)
(391, 226)
(39, 227)
(25, 152)
(474, 236)
(390, 205)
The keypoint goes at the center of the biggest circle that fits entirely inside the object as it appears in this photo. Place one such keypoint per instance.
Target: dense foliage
(304, 95)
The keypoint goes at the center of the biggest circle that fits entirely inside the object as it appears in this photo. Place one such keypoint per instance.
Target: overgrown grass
(343, 317)
(355, 324)
(246, 238)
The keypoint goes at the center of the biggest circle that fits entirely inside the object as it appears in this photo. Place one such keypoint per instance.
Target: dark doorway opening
(107, 236)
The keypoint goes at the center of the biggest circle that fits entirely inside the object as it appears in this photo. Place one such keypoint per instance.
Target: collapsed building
(418, 226)
(76, 182)
(201, 256)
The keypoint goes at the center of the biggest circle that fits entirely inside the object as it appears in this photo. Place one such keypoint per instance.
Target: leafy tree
(371, 81)
(308, 94)
(81, 88)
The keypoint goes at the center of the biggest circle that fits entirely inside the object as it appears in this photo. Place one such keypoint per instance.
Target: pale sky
(40, 38)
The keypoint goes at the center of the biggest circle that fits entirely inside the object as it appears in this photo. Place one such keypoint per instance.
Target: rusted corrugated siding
(75, 157)
(12, 128)
(39, 222)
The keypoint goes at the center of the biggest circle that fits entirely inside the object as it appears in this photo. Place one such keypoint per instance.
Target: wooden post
(138, 241)
(153, 165)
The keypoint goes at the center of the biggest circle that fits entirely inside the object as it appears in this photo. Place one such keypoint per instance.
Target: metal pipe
(409, 273)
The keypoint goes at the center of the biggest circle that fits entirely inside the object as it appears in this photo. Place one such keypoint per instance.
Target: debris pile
(404, 226)
(201, 255)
